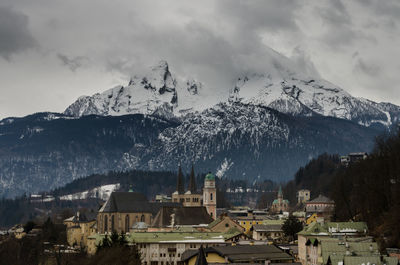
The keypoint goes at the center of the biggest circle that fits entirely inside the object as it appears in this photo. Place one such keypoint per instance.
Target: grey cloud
(74, 62)
(14, 32)
(367, 68)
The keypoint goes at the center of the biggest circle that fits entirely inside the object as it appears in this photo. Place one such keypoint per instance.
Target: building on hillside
(79, 227)
(280, 205)
(336, 251)
(192, 197)
(330, 231)
(303, 196)
(322, 206)
(178, 216)
(352, 158)
(224, 224)
(168, 247)
(123, 209)
(265, 254)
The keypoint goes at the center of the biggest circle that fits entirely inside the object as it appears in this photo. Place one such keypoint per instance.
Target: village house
(327, 231)
(269, 230)
(223, 224)
(321, 206)
(265, 254)
(168, 247)
(303, 196)
(79, 228)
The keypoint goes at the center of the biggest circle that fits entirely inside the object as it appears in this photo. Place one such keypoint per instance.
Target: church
(280, 205)
(192, 197)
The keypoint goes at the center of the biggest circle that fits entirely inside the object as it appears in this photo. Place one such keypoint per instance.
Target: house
(223, 224)
(327, 231)
(303, 196)
(280, 205)
(168, 247)
(79, 227)
(322, 206)
(352, 158)
(239, 254)
(272, 231)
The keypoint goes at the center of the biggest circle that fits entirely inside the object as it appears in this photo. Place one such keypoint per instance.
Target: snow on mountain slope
(157, 92)
(282, 85)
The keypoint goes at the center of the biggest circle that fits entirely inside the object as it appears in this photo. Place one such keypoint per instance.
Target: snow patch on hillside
(102, 192)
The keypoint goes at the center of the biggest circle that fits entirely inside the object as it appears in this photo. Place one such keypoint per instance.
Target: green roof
(210, 176)
(338, 249)
(347, 227)
(214, 223)
(165, 237)
(314, 228)
(334, 227)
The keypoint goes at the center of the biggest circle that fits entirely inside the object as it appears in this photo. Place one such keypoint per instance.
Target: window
(105, 223)
(142, 218)
(211, 196)
(112, 223)
(187, 199)
(127, 223)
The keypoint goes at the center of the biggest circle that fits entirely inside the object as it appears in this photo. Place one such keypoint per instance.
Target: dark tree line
(367, 190)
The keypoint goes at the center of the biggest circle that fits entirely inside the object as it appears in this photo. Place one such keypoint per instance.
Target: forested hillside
(368, 190)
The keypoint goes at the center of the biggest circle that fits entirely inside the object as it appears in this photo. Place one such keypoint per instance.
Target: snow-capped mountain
(312, 96)
(156, 93)
(279, 87)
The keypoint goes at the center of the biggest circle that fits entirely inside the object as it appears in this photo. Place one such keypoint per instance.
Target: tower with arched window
(210, 195)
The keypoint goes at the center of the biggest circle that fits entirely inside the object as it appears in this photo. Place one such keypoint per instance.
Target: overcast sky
(53, 51)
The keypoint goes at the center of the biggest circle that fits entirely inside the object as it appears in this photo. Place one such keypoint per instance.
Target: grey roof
(268, 228)
(244, 253)
(132, 202)
(321, 199)
(182, 216)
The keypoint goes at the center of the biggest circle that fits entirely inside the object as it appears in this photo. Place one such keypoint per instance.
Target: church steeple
(180, 182)
(280, 193)
(192, 182)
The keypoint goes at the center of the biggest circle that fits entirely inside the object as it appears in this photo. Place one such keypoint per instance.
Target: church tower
(210, 195)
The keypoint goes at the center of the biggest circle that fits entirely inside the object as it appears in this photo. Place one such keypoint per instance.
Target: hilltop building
(193, 198)
(280, 205)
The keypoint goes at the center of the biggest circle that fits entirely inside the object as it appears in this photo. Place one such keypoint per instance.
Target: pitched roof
(201, 257)
(243, 253)
(181, 216)
(338, 249)
(132, 202)
(321, 199)
(360, 227)
(268, 228)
